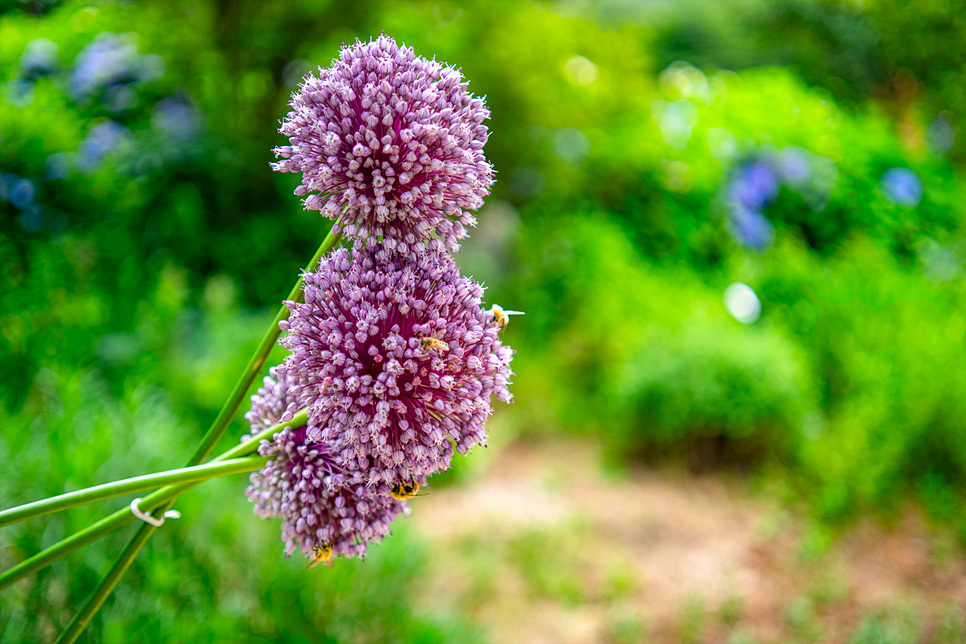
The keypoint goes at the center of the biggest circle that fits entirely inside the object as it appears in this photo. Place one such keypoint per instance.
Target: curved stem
(124, 560)
(126, 486)
(122, 517)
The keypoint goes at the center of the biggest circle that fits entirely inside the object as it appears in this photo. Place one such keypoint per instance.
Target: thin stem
(122, 517)
(124, 560)
(126, 486)
(257, 362)
(300, 418)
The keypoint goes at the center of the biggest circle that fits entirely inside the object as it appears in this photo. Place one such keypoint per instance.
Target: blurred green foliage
(144, 242)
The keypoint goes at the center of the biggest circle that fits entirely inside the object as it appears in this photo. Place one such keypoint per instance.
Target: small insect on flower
(501, 316)
(433, 343)
(403, 491)
(323, 555)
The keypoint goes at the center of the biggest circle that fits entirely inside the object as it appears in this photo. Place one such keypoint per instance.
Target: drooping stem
(144, 532)
(122, 517)
(126, 486)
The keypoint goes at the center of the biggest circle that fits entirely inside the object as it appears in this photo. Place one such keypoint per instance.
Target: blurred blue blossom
(39, 59)
(793, 166)
(754, 186)
(750, 228)
(941, 136)
(112, 63)
(104, 138)
(902, 186)
(19, 93)
(177, 117)
(58, 165)
(22, 193)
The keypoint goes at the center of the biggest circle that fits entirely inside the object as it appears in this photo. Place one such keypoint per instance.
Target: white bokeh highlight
(742, 303)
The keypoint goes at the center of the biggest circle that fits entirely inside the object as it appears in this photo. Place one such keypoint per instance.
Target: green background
(137, 280)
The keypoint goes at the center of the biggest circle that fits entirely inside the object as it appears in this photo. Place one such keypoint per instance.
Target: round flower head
(396, 358)
(395, 141)
(318, 502)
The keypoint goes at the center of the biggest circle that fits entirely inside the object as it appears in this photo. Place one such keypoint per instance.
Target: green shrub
(746, 388)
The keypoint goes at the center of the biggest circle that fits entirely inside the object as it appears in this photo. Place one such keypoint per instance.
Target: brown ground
(542, 546)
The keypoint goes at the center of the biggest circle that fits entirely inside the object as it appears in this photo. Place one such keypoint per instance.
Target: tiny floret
(393, 144)
(396, 360)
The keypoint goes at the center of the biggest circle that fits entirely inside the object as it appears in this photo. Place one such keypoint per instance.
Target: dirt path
(545, 547)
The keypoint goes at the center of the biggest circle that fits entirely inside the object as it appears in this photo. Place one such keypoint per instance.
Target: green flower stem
(241, 450)
(124, 560)
(126, 486)
(255, 365)
(123, 517)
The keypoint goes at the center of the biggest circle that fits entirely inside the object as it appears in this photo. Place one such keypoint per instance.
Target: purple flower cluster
(390, 145)
(393, 354)
(317, 500)
(396, 353)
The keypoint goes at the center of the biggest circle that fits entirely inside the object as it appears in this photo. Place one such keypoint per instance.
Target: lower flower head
(396, 359)
(304, 485)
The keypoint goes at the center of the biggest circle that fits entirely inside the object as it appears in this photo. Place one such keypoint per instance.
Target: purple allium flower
(902, 186)
(316, 500)
(306, 487)
(396, 357)
(393, 139)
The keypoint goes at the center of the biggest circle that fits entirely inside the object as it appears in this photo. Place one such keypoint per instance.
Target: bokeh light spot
(580, 71)
(742, 303)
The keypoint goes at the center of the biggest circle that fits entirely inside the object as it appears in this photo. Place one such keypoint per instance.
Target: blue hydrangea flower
(902, 186)
(111, 63)
(22, 193)
(793, 166)
(754, 187)
(104, 138)
(40, 58)
(750, 228)
(393, 140)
